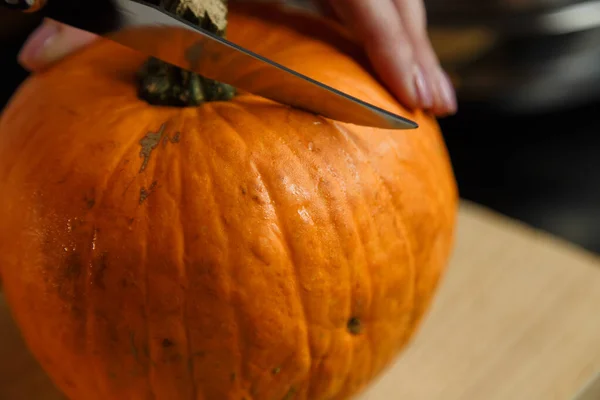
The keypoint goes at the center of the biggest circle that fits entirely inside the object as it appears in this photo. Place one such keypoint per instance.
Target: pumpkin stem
(164, 84)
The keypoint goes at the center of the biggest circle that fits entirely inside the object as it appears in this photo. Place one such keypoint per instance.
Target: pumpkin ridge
(198, 392)
(293, 260)
(114, 177)
(366, 334)
(147, 332)
(415, 310)
(233, 297)
(359, 233)
(184, 269)
(140, 345)
(287, 241)
(326, 205)
(160, 161)
(416, 313)
(320, 194)
(398, 214)
(353, 275)
(435, 188)
(89, 306)
(399, 221)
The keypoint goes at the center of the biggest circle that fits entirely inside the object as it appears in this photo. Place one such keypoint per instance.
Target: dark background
(541, 166)
(543, 169)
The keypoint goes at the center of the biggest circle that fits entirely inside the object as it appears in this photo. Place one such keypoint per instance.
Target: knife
(143, 26)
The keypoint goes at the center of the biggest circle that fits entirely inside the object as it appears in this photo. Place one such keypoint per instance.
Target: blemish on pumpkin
(354, 326)
(290, 394)
(144, 193)
(68, 287)
(174, 139)
(276, 370)
(167, 343)
(232, 377)
(73, 268)
(89, 202)
(99, 265)
(149, 143)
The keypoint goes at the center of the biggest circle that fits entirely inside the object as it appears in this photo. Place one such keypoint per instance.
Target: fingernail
(423, 91)
(410, 95)
(448, 94)
(33, 52)
(57, 46)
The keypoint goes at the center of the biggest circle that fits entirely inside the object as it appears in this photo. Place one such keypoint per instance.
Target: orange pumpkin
(236, 250)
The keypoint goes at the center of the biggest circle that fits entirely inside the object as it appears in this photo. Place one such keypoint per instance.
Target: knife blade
(151, 30)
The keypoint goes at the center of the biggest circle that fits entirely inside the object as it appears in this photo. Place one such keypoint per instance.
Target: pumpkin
(237, 249)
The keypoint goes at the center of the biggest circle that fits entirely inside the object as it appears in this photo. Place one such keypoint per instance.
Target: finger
(50, 42)
(437, 82)
(379, 25)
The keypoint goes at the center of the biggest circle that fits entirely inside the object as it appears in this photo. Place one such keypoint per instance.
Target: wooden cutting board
(517, 318)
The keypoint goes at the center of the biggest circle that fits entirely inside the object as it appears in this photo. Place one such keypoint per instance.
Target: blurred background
(526, 139)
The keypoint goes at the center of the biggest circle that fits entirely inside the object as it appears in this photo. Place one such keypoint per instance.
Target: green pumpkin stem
(164, 84)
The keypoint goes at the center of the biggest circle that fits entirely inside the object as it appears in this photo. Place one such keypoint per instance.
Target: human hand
(393, 32)
(50, 42)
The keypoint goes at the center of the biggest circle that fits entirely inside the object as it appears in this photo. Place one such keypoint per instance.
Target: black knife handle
(23, 5)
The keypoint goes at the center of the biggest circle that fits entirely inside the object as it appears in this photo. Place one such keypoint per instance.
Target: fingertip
(395, 67)
(29, 55)
(445, 102)
(50, 42)
(449, 94)
(424, 91)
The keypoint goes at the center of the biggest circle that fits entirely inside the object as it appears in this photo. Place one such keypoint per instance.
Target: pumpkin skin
(237, 250)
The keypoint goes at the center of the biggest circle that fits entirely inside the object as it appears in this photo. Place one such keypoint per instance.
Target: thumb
(50, 42)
